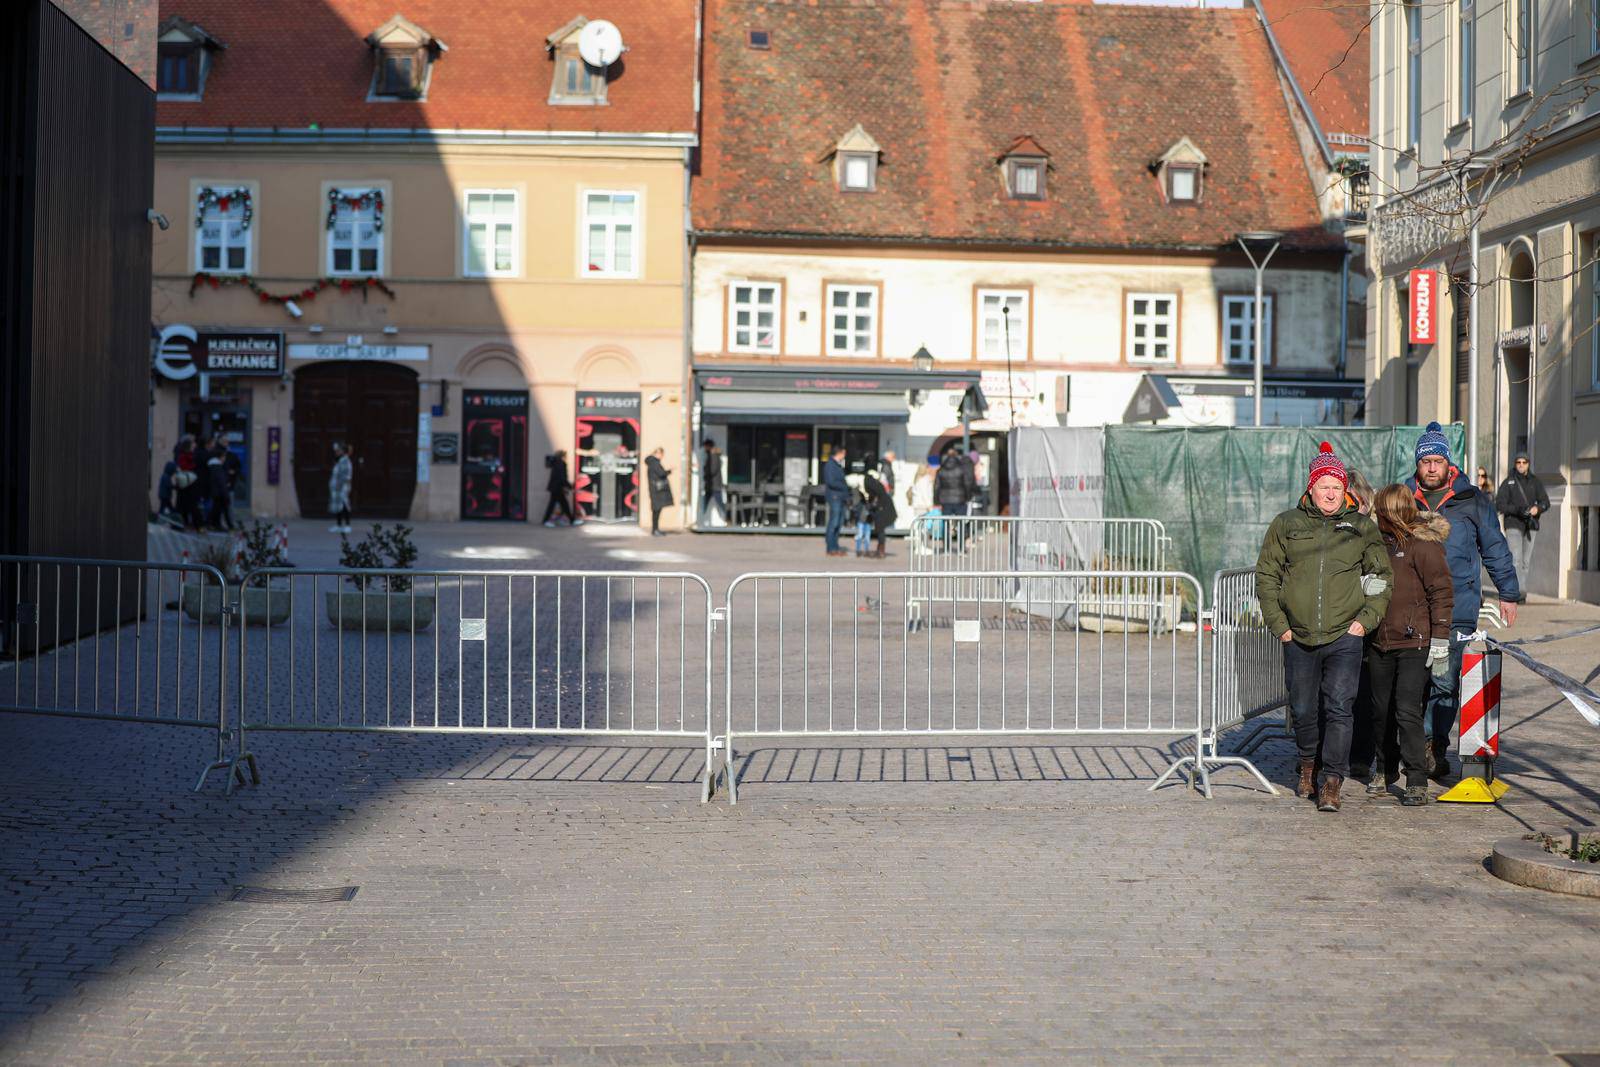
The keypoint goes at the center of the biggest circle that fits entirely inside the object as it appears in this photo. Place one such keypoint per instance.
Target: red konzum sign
(1424, 310)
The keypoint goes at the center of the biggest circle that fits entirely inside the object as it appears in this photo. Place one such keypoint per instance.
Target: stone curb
(1522, 861)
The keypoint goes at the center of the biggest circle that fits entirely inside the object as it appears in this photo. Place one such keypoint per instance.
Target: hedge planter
(380, 612)
(269, 607)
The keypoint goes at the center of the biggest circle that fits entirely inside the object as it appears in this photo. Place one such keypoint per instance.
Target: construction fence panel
(530, 652)
(849, 654)
(116, 639)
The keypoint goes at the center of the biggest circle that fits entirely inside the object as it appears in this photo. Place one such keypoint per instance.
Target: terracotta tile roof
(1327, 45)
(947, 88)
(296, 62)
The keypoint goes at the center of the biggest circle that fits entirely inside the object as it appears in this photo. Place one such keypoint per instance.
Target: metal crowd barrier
(524, 652)
(943, 546)
(856, 654)
(1247, 681)
(114, 639)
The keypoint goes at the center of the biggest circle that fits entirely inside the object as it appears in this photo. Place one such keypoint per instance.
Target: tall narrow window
(753, 309)
(1239, 329)
(610, 234)
(852, 320)
(1466, 59)
(1003, 317)
(1594, 26)
(1413, 16)
(222, 233)
(1152, 324)
(355, 234)
(491, 236)
(1523, 10)
(1594, 311)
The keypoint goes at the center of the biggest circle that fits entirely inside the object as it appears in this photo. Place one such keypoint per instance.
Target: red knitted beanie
(1327, 463)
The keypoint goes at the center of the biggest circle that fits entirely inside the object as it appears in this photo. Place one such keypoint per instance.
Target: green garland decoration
(223, 199)
(344, 285)
(371, 198)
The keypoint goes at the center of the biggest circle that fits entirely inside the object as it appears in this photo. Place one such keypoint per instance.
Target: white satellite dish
(600, 43)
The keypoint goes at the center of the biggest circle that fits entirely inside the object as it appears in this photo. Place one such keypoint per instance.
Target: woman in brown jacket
(1412, 639)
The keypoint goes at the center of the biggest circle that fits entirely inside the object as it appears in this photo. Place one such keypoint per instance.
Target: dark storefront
(212, 371)
(494, 461)
(607, 482)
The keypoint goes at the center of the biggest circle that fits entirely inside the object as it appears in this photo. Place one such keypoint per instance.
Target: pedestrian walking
(955, 486)
(191, 493)
(559, 485)
(886, 471)
(880, 500)
(1412, 641)
(1474, 544)
(711, 486)
(1309, 577)
(1520, 502)
(219, 484)
(836, 492)
(340, 483)
(860, 514)
(659, 480)
(1363, 743)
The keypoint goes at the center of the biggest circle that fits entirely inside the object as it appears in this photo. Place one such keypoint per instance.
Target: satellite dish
(600, 43)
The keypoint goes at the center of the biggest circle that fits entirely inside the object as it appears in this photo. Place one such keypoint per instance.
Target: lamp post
(1268, 239)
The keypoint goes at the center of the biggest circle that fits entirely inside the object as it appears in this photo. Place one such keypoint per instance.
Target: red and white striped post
(1480, 729)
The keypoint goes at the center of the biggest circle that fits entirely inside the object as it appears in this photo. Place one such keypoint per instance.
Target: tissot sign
(1424, 307)
(182, 352)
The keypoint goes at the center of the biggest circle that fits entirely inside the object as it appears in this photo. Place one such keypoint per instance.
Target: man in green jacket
(1323, 578)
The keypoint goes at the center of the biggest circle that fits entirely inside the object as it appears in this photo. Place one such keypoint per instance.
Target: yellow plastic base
(1474, 791)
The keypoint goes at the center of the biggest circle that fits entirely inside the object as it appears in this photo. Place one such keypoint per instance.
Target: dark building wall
(78, 172)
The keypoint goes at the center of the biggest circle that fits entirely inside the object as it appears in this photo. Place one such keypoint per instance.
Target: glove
(1372, 585)
(1438, 660)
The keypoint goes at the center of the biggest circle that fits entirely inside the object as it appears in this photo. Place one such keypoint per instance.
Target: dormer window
(573, 81)
(402, 56)
(855, 161)
(1023, 165)
(183, 55)
(1181, 170)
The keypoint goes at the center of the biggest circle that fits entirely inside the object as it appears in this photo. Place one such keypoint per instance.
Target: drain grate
(254, 894)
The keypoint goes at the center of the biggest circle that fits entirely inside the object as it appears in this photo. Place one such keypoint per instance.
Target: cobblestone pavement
(570, 901)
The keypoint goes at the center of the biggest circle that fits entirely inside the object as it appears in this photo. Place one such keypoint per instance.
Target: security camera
(292, 308)
(152, 215)
(654, 397)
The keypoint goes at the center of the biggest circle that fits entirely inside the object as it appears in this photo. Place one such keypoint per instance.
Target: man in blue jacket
(1475, 543)
(836, 491)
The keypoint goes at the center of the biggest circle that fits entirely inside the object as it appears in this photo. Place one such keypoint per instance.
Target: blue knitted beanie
(1433, 443)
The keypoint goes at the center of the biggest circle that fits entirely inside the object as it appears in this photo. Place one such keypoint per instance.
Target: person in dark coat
(187, 482)
(219, 485)
(711, 490)
(880, 501)
(836, 491)
(559, 485)
(954, 489)
(1520, 502)
(660, 484)
(1475, 543)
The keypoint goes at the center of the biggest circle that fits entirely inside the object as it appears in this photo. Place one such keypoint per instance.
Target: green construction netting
(1217, 489)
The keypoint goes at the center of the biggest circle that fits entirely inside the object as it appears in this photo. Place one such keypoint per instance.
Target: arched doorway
(371, 405)
(1516, 361)
(494, 443)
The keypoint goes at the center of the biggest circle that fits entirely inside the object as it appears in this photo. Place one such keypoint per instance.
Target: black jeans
(1322, 683)
(1399, 687)
(558, 500)
(655, 516)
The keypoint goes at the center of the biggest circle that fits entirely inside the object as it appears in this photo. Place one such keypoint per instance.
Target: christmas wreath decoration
(344, 285)
(360, 202)
(222, 200)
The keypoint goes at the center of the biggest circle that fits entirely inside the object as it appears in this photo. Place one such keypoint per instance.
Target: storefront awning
(745, 406)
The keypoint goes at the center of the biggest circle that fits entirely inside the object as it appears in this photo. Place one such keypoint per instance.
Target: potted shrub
(381, 601)
(257, 605)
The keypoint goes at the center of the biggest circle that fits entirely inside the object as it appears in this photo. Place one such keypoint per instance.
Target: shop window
(490, 240)
(753, 309)
(1152, 325)
(610, 228)
(1239, 329)
(222, 231)
(852, 320)
(355, 231)
(1003, 317)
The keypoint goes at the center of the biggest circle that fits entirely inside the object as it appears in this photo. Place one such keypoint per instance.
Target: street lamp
(922, 359)
(1261, 239)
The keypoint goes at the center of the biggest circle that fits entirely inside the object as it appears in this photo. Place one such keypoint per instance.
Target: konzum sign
(1424, 315)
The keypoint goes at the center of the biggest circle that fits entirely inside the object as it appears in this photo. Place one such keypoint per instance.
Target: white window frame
(1132, 320)
(1520, 64)
(610, 225)
(869, 160)
(355, 245)
(1466, 58)
(1241, 309)
(1019, 298)
(853, 314)
(752, 306)
(492, 226)
(246, 239)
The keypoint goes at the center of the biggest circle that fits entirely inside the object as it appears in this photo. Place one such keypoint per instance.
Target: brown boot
(1328, 795)
(1308, 779)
